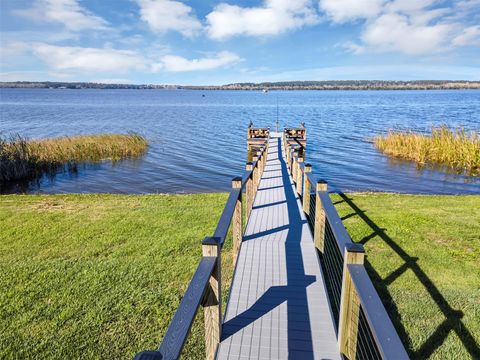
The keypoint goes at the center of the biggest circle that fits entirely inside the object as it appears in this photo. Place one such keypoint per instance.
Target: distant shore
(265, 86)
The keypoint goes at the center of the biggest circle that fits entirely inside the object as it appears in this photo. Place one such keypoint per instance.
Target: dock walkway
(278, 307)
(300, 288)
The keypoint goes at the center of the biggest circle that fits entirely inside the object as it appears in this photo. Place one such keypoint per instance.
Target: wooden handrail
(386, 336)
(223, 225)
(357, 291)
(176, 335)
(338, 229)
(205, 287)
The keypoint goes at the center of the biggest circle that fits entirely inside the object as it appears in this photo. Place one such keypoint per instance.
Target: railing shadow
(300, 343)
(453, 318)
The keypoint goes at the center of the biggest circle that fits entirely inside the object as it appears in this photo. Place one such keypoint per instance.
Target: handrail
(227, 214)
(340, 233)
(205, 287)
(353, 296)
(179, 328)
(382, 328)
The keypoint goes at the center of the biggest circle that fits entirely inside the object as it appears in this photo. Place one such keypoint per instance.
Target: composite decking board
(277, 306)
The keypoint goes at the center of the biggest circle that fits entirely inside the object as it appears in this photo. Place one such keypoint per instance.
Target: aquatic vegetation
(458, 149)
(26, 159)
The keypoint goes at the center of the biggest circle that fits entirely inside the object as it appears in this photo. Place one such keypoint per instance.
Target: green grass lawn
(100, 276)
(423, 253)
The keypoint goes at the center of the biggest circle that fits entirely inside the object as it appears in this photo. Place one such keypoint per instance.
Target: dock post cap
(249, 163)
(308, 165)
(237, 178)
(211, 240)
(321, 181)
(148, 355)
(354, 248)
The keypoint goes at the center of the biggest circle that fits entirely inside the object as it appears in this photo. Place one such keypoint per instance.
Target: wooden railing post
(265, 153)
(249, 190)
(319, 229)
(212, 301)
(237, 222)
(287, 154)
(306, 189)
(299, 173)
(292, 164)
(349, 303)
(260, 163)
(256, 175)
(293, 167)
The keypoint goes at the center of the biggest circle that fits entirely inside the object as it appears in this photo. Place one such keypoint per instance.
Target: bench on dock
(300, 289)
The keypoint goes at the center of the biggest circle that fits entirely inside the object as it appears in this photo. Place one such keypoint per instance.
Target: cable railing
(364, 329)
(205, 287)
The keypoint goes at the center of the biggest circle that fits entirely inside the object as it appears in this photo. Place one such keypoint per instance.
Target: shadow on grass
(453, 318)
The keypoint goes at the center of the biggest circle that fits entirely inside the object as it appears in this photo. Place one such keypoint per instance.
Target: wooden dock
(299, 289)
(278, 306)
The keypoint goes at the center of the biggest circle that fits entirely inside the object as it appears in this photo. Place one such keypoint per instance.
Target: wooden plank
(181, 323)
(212, 301)
(349, 304)
(299, 176)
(237, 222)
(306, 189)
(386, 337)
(320, 218)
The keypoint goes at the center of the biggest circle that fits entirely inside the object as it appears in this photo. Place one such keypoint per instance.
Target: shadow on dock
(300, 343)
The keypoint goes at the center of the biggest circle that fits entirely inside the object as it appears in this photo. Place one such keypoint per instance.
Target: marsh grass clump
(458, 149)
(29, 159)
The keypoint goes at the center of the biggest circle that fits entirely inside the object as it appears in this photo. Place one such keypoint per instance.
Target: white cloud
(88, 59)
(113, 81)
(175, 63)
(353, 47)
(71, 59)
(346, 10)
(274, 17)
(469, 36)
(394, 32)
(23, 76)
(66, 12)
(413, 27)
(408, 71)
(166, 15)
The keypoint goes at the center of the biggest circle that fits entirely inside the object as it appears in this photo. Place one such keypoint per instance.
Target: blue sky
(218, 42)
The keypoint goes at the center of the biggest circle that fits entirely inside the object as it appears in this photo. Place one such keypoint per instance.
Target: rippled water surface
(198, 143)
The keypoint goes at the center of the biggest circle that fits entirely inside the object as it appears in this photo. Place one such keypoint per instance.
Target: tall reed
(458, 149)
(26, 159)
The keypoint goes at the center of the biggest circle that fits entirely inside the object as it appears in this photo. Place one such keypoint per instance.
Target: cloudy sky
(216, 42)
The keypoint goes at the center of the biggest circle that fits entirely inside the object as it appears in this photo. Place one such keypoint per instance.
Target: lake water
(198, 143)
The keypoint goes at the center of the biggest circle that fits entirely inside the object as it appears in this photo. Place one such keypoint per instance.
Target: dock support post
(237, 224)
(249, 191)
(256, 175)
(299, 174)
(212, 301)
(260, 163)
(292, 164)
(293, 167)
(306, 189)
(319, 230)
(349, 303)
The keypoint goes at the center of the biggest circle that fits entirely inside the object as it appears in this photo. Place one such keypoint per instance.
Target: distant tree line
(281, 85)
